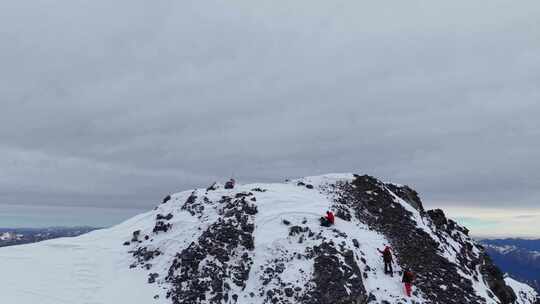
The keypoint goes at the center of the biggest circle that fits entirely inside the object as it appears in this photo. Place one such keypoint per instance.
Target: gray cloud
(115, 104)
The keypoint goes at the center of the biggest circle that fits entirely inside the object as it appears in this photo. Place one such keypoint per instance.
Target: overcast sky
(114, 104)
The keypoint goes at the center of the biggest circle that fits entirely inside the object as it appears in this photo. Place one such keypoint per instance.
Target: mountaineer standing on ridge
(387, 258)
(408, 278)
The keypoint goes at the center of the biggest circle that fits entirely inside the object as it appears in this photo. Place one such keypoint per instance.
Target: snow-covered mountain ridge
(262, 243)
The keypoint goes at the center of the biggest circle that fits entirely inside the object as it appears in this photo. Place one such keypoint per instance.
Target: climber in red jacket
(330, 217)
(328, 220)
(408, 278)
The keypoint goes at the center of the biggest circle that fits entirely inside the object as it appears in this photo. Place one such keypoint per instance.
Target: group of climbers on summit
(408, 277)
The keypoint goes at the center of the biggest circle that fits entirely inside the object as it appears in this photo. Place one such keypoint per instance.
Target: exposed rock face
(193, 206)
(495, 279)
(239, 246)
(416, 249)
(407, 194)
(221, 257)
(374, 205)
(337, 278)
(167, 217)
(438, 218)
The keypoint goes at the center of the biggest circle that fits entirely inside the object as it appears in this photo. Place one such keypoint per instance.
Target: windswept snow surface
(95, 268)
(524, 292)
(90, 269)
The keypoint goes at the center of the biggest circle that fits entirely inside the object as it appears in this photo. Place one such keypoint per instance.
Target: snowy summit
(264, 243)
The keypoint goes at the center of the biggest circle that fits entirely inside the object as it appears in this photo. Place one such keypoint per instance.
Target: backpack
(408, 277)
(387, 254)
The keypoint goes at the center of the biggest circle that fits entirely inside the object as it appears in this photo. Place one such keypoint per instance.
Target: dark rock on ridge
(373, 204)
(193, 275)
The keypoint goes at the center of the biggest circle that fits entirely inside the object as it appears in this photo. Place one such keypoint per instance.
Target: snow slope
(257, 243)
(525, 293)
(90, 269)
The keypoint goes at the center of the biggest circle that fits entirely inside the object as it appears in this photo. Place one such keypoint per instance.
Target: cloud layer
(113, 104)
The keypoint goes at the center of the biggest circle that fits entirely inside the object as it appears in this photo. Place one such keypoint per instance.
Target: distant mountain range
(518, 257)
(18, 236)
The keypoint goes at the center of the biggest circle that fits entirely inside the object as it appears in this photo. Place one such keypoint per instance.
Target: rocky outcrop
(372, 203)
(221, 257)
(495, 280)
(337, 278)
(407, 194)
(301, 262)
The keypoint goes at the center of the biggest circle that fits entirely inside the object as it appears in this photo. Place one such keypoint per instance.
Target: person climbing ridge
(408, 278)
(328, 220)
(387, 258)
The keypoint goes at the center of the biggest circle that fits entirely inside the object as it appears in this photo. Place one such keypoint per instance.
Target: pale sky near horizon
(107, 106)
(486, 222)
